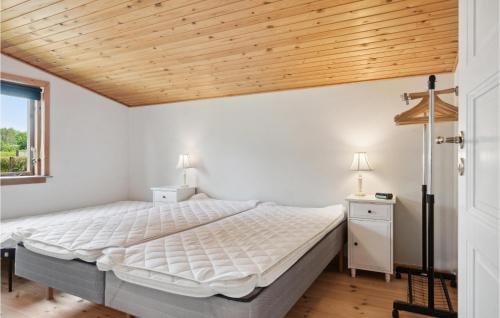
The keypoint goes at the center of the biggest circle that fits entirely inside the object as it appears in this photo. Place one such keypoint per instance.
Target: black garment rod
(424, 228)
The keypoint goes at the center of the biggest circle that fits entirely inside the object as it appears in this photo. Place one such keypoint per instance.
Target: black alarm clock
(385, 196)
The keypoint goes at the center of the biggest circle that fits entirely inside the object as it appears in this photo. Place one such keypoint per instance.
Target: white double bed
(9, 226)
(63, 255)
(230, 257)
(199, 252)
(85, 239)
(32, 223)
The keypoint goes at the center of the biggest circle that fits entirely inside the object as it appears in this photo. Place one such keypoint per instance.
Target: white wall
(295, 147)
(88, 150)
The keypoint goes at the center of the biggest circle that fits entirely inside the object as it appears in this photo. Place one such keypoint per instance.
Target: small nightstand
(370, 231)
(171, 194)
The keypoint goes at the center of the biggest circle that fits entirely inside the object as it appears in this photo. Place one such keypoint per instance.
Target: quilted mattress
(86, 239)
(7, 227)
(231, 257)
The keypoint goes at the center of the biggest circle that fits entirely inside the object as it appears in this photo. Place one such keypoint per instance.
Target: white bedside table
(370, 231)
(171, 194)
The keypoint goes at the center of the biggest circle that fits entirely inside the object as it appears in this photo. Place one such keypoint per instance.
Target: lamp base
(360, 192)
(184, 185)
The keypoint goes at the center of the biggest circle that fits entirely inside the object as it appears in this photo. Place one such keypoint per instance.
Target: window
(24, 130)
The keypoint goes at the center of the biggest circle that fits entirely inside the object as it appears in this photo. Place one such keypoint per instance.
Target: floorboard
(332, 295)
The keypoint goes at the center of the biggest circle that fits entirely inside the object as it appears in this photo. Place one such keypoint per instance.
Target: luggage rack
(427, 292)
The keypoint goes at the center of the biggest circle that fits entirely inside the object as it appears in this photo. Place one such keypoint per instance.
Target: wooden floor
(332, 295)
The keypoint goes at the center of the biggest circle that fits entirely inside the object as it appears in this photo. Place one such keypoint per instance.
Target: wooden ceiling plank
(6, 4)
(336, 22)
(370, 59)
(326, 75)
(159, 51)
(175, 20)
(248, 67)
(151, 99)
(16, 28)
(302, 39)
(41, 14)
(100, 19)
(359, 54)
(176, 68)
(349, 51)
(24, 8)
(179, 14)
(250, 73)
(93, 28)
(266, 78)
(293, 55)
(118, 60)
(298, 49)
(242, 22)
(92, 56)
(367, 44)
(23, 52)
(236, 87)
(62, 22)
(232, 51)
(331, 47)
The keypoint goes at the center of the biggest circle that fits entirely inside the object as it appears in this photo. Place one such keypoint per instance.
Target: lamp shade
(184, 162)
(360, 162)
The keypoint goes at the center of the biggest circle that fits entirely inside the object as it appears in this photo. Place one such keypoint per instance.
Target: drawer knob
(164, 197)
(369, 211)
(355, 243)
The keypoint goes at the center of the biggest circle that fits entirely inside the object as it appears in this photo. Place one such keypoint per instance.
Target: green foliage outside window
(13, 164)
(13, 150)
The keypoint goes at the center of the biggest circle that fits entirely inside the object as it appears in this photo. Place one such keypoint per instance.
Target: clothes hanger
(418, 114)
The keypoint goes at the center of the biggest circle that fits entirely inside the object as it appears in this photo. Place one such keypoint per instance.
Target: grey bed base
(74, 277)
(84, 280)
(273, 301)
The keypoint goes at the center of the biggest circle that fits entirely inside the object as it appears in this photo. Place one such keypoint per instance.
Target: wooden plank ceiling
(153, 51)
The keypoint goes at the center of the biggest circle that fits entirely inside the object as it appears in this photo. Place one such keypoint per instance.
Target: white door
(370, 245)
(478, 80)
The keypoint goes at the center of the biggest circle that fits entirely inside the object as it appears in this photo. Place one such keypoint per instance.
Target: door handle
(452, 140)
(461, 166)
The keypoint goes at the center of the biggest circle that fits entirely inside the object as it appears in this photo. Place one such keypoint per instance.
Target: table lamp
(184, 163)
(360, 163)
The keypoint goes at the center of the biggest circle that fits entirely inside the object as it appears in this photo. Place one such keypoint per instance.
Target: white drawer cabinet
(370, 211)
(370, 234)
(171, 194)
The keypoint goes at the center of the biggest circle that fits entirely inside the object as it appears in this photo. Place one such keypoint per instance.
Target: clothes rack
(427, 292)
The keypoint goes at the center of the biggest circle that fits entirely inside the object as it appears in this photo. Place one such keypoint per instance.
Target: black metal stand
(10, 255)
(424, 228)
(427, 289)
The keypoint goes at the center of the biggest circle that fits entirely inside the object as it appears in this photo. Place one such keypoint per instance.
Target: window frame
(43, 165)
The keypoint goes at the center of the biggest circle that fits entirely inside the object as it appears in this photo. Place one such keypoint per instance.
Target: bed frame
(84, 280)
(75, 277)
(9, 255)
(273, 301)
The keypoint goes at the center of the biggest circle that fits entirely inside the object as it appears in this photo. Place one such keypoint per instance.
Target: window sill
(22, 180)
